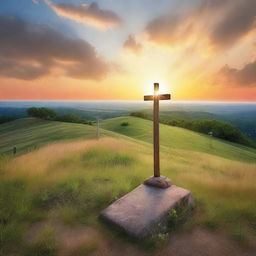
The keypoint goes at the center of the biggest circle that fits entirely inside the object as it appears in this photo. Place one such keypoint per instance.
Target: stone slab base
(160, 182)
(140, 212)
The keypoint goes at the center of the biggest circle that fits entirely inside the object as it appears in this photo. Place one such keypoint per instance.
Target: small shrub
(124, 124)
(155, 241)
(178, 216)
(162, 236)
(173, 218)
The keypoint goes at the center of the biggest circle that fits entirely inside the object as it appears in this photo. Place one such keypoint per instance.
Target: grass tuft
(106, 158)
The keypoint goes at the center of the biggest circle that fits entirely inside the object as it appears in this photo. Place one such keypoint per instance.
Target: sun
(148, 87)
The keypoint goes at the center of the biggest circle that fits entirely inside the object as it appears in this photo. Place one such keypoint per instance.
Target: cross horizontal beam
(158, 96)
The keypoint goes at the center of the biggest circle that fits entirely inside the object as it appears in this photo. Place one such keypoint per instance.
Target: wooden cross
(156, 97)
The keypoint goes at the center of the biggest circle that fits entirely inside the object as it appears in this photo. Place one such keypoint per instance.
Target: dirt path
(196, 243)
(80, 241)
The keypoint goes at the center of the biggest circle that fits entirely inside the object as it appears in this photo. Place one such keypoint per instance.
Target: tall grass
(73, 181)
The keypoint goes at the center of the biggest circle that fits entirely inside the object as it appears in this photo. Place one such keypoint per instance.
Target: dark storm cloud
(241, 77)
(132, 44)
(31, 51)
(88, 14)
(222, 22)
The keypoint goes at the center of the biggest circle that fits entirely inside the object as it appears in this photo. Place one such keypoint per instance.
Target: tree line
(51, 115)
(210, 127)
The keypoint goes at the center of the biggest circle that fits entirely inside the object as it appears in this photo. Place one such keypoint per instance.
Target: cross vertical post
(156, 131)
(155, 98)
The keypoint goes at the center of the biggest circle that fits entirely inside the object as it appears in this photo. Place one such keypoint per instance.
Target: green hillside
(30, 133)
(179, 138)
(54, 194)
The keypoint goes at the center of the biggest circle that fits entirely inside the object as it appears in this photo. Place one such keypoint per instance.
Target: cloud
(245, 76)
(238, 20)
(219, 23)
(14, 69)
(90, 15)
(132, 44)
(35, 1)
(31, 51)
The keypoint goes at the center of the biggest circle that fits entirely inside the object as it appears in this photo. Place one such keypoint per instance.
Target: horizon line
(172, 101)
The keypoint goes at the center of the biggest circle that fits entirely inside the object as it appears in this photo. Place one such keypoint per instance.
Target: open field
(29, 133)
(51, 197)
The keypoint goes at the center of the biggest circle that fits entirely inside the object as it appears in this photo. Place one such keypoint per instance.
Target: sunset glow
(116, 50)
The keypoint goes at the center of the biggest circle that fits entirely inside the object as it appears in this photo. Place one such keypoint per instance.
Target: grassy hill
(31, 133)
(50, 198)
(178, 138)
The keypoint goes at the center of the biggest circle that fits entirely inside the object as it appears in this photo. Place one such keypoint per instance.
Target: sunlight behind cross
(148, 89)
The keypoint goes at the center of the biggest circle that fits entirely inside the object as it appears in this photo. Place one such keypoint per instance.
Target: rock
(160, 182)
(140, 212)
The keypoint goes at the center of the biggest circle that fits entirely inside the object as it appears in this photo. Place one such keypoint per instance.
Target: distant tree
(139, 114)
(43, 113)
(49, 114)
(71, 118)
(218, 129)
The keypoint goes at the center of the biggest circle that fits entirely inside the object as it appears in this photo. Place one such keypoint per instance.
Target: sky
(116, 49)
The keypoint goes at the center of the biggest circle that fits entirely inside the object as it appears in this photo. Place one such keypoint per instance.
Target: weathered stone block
(139, 212)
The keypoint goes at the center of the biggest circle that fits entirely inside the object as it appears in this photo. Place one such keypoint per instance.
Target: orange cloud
(90, 15)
